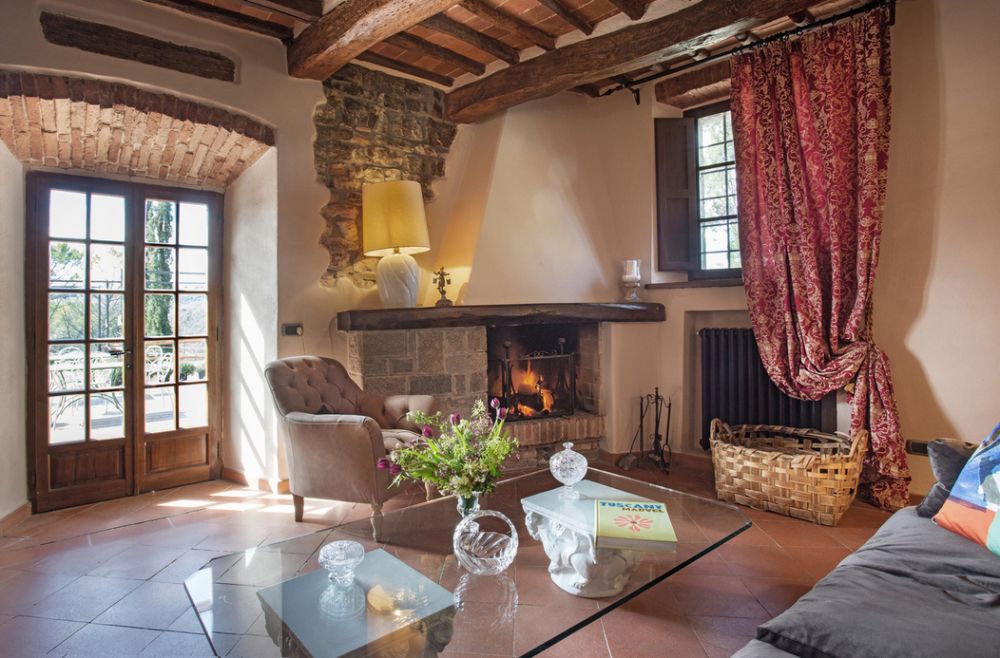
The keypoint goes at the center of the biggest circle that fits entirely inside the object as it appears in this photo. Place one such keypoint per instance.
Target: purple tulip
(428, 432)
(517, 455)
(455, 418)
(395, 469)
(495, 403)
(384, 463)
(501, 413)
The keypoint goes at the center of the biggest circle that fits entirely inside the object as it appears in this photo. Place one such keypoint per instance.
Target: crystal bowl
(484, 552)
(341, 558)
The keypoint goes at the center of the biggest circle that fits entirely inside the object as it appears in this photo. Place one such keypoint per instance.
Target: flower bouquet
(457, 455)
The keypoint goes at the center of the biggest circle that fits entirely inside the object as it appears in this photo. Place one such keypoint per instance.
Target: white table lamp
(394, 227)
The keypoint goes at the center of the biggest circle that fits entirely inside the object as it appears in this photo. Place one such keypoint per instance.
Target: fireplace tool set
(660, 454)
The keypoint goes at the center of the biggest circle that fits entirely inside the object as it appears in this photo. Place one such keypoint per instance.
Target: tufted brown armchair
(337, 432)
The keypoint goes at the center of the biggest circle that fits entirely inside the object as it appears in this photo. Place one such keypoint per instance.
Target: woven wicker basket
(802, 473)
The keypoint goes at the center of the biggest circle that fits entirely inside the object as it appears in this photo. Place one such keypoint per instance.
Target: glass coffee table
(276, 599)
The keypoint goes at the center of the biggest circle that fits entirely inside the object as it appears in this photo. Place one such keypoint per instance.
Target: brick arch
(114, 128)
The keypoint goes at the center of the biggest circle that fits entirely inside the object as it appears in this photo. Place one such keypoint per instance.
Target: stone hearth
(445, 354)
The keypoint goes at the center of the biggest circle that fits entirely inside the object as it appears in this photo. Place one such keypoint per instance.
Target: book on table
(633, 524)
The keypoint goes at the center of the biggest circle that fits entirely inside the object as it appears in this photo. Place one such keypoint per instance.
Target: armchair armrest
(398, 406)
(333, 456)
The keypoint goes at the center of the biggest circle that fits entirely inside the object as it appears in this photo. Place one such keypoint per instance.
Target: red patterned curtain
(811, 124)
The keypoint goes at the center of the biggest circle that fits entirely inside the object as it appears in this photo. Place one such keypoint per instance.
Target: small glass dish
(340, 559)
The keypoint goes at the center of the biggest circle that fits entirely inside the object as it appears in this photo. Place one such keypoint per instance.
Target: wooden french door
(123, 300)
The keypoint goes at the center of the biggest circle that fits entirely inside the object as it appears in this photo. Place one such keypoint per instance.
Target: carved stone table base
(566, 529)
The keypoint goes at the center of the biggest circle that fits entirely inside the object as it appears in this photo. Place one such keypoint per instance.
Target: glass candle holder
(340, 559)
(631, 279)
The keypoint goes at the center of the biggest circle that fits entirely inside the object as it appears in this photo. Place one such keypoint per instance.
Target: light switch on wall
(291, 329)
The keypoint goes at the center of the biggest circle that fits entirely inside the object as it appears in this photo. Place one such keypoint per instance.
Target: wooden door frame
(36, 371)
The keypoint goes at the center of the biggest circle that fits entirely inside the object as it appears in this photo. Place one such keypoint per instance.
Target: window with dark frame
(697, 215)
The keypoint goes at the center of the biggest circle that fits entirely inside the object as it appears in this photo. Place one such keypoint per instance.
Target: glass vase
(568, 467)
(467, 504)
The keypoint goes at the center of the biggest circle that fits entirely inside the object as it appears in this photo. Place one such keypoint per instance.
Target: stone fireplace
(543, 361)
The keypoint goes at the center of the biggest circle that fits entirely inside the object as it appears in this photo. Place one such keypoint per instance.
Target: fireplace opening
(533, 369)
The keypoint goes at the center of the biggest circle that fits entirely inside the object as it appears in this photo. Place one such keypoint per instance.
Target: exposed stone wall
(114, 128)
(449, 364)
(373, 127)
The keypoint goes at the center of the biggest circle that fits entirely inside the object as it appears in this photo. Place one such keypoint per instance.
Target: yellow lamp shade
(393, 219)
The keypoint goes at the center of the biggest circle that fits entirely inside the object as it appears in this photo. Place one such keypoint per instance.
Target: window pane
(66, 316)
(107, 315)
(67, 214)
(734, 235)
(714, 208)
(66, 419)
(193, 405)
(194, 224)
(160, 409)
(107, 267)
(107, 363)
(107, 218)
(735, 261)
(192, 269)
(711, 129)
(161, 222)
(159, 362)
(714, 237)
(717, 261)
(192, 360)
(107, 415)
(160, 268)
(67, 264)
(193, 315)
(713, 183)
(159, 315)
(66, 368)
(711, 155)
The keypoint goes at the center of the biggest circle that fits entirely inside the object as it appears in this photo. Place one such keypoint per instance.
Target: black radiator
(736, 388)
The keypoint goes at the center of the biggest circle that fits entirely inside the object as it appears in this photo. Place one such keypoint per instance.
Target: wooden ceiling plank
(560, 9)
(445, 25)
(303, 10)
(511, 23)
(350, 29)
(634, 9)
(226, 17)
(637, 46)
(678, 88)
(409, 41)
(403, 67)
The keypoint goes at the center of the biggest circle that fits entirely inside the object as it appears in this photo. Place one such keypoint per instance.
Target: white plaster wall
(13, 461)
(250, 443)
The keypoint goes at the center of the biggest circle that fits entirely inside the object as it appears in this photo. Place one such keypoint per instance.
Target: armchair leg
(428, 491)
(377, 521)
(300, 504)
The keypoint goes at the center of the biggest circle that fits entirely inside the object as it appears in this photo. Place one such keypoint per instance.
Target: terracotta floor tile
(817, 562)
(768, 561)
(777, 594)
(254, 646)
(98, 640)
(188, 623)
(535, 587)
(170, 643)
(533, 625)
(852, 538)
(185, 565)
(724, 635)
(83, 599)
(151, 605)
(79, 561)
(24, 589)
(138, 562)
(720, 596)
(793, 533)
(637, 635)
(481, 630)
(26, 635)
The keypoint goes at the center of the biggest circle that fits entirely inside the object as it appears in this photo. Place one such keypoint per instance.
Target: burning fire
(534, 384)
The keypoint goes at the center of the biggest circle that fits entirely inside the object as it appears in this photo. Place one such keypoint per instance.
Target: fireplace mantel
(497, 315)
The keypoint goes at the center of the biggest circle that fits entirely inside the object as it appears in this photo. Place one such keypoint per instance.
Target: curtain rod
(633, 85)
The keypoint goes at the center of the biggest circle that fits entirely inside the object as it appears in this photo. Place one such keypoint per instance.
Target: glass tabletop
(278, 600)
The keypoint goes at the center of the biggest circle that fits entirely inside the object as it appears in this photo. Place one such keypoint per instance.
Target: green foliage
(190, 369)
(159, 228)
(462, 457)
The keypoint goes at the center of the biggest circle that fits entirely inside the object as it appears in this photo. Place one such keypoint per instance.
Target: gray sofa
(913, 590)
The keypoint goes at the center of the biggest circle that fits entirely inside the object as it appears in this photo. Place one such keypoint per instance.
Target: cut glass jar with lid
(568, 467)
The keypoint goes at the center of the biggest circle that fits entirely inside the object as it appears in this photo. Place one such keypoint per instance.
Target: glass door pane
(86, 317)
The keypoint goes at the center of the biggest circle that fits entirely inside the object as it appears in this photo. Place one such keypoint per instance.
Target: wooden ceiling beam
(409, 41)
(695, 86)
(561, 10)
(637, 46)
(403, 67)
(511, 23)
(350, 29)
(303, 10)
(634, 9)
(500, 50)
(226, 17)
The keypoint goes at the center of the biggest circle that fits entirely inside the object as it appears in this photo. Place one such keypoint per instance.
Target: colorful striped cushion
(971, 509)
